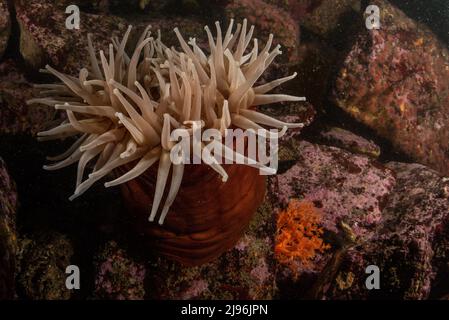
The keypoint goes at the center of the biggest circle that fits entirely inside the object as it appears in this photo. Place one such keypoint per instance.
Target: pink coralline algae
(409, 246)
(268, 19)
(45, 39)
(196, 288)
(344, 185)
(349, 141)
(118, 276)
(396, 81)
(261, 273)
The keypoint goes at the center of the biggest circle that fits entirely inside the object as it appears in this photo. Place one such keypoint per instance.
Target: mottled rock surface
(5, 26)
(43, 260)
(349, 141)
(8, 236)
(323, 17)
(293, 112)
(408, 247)
(16, 117)
(396, 81)
(350, 190)
(118, 277)
(395, 217)
(44, 38)
(267, 19)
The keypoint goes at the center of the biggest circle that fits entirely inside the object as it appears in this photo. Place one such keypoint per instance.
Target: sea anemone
(123, 109)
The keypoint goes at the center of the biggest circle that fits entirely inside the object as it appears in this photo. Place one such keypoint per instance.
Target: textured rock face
(341, 183)
(323, 17)
(268, 19)
(8, 237)
(350, 191)
(395, 217)
(43, 261)
(44, 37)
(5, 26)
(16, 117)
(396, 81)
(118, 277)
(408, 247)
(349, 141)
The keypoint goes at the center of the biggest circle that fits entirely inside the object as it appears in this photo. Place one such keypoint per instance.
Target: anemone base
(208, 216)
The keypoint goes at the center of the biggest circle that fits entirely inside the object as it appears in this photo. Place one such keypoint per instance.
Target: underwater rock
(350, 191)
(43, 260)
(396, 81)
(268, 19)
(292, 112)
(16, 117)
(45, 41)
(410, 246)
(5, 26)
(347, 140)
(8, 237)
(118, 276)
(97, 6)
(244, 272)
(44, 37)
(325, 18)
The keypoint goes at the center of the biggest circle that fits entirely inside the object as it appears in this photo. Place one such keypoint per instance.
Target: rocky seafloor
(373, 159)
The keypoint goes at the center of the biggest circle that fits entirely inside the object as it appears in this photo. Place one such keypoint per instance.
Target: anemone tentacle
(125, 107)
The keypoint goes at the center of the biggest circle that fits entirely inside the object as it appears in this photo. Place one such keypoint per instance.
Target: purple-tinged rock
(410, 246)
(16, 117)
(5, 26)
(118, 276)
(396, 81)
(350, 191)
(344, 185)
(44, 38)
(349, 141)
(292, 112)
(8, 237)
(43, 260)
(267, 18)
